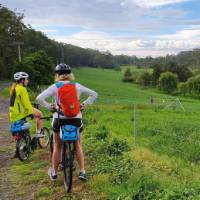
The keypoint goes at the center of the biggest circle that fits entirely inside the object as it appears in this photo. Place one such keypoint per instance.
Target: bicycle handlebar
(49, 117)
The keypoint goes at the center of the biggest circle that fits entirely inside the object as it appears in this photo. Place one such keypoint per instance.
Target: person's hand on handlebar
(53, 108)
(82, 107)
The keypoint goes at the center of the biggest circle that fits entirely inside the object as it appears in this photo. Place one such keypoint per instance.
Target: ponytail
(13, 88)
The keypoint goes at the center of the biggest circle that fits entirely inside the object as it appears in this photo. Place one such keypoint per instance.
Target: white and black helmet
(20, 75)
(62, 69)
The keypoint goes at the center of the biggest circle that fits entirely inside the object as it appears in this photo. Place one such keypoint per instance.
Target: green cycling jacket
(20, 105)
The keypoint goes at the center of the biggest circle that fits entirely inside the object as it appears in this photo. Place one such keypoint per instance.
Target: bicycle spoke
(44, 141)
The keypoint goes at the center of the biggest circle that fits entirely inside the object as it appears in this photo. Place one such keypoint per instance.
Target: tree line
(35, 45)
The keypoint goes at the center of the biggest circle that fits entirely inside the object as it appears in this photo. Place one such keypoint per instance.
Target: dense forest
(15, 36)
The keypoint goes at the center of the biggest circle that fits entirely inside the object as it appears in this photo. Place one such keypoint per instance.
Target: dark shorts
(73, 121)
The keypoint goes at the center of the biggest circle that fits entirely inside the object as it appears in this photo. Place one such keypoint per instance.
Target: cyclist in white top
(64, 75)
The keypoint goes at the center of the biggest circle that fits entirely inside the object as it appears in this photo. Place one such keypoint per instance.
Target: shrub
(117, 147)
(128, 77)
(193, 85)
(183, 88)
(102, 133)
(168, 82)
(145, 79)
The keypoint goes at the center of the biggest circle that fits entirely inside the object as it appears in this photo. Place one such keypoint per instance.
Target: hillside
(162, 164)
(15, 35)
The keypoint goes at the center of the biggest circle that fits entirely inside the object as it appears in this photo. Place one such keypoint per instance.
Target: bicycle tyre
(68, 158)
(44, 141)
(23, 147)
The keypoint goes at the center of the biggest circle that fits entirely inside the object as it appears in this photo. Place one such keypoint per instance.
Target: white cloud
(140, 17)
(121, 45)
(155, 3)
(106, 14)
(190, 33)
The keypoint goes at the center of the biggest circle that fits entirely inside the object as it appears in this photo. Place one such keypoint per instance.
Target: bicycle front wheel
(68, 159)
(23, 148)
(44, 141)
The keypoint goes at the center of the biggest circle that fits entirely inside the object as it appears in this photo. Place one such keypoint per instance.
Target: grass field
(163, 165)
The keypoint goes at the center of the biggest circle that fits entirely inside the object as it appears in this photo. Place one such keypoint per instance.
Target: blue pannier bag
(69, 132)
(16, 127)
(19, 126)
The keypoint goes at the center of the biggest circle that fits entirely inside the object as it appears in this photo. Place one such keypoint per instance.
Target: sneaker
(82, 176)
(39, 135)
(52, 175)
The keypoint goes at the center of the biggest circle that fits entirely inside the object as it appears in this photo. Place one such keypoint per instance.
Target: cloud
(101, 14)
(155, 3)
(191, 33)
(98, 18)
(131, 46)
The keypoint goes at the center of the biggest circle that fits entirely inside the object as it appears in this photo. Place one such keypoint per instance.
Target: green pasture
(164, 163)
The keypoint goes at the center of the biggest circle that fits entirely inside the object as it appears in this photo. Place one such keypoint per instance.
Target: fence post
(135, 124)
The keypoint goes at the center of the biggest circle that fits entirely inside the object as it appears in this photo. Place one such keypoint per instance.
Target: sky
(130, 27)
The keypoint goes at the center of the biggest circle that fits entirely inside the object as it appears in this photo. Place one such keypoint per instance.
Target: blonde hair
(64, 77)
(13, 88)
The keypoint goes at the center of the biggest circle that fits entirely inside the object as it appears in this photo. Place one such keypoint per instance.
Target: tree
(40, 68)
(11, 30)
(183, 88)
(168, 82)
(128, 76)
(181, 70)
(193, 85)
(157, 70)
(145, 79)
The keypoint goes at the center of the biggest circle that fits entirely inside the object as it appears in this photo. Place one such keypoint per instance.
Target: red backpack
(68, 98)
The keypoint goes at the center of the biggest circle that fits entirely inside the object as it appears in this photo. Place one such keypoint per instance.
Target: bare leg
(38, 114)
(79, 154)
(56, 157)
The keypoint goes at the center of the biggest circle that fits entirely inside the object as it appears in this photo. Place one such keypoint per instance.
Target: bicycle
(25, 145)
(69, 134)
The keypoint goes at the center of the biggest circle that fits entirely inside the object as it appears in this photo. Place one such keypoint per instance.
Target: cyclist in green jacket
(20, 105)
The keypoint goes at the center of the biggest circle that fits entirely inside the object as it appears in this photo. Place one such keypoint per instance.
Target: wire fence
(162, 124)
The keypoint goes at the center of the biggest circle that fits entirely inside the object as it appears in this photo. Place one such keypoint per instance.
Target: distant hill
(13, 31)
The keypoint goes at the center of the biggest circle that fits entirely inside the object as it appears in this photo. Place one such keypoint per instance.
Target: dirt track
(6, 147)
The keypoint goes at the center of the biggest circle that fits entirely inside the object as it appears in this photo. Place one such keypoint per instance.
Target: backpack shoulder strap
(72, 82)
(59, 84)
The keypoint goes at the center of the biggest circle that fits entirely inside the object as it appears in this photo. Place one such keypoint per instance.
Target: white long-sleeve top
(52, 91)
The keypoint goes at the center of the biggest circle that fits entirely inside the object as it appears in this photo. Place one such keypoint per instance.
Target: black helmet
(62, 69)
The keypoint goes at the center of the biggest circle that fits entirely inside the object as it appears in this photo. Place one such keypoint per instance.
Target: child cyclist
(20, 105)
(65, 76)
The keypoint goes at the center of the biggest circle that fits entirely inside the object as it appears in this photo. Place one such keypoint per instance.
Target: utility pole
(18, 44)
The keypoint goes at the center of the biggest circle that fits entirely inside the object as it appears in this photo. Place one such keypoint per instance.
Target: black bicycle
(67, 153)
(69, 135)
(25, 145)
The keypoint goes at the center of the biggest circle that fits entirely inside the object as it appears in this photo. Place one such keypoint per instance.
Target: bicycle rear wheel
(44, 141)
(23, 147)
(68, 158)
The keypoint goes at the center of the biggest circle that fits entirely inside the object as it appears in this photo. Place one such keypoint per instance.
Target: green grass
(6, 92)
(164, 165)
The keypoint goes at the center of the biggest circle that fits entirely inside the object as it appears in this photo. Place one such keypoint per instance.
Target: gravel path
(6, 147)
